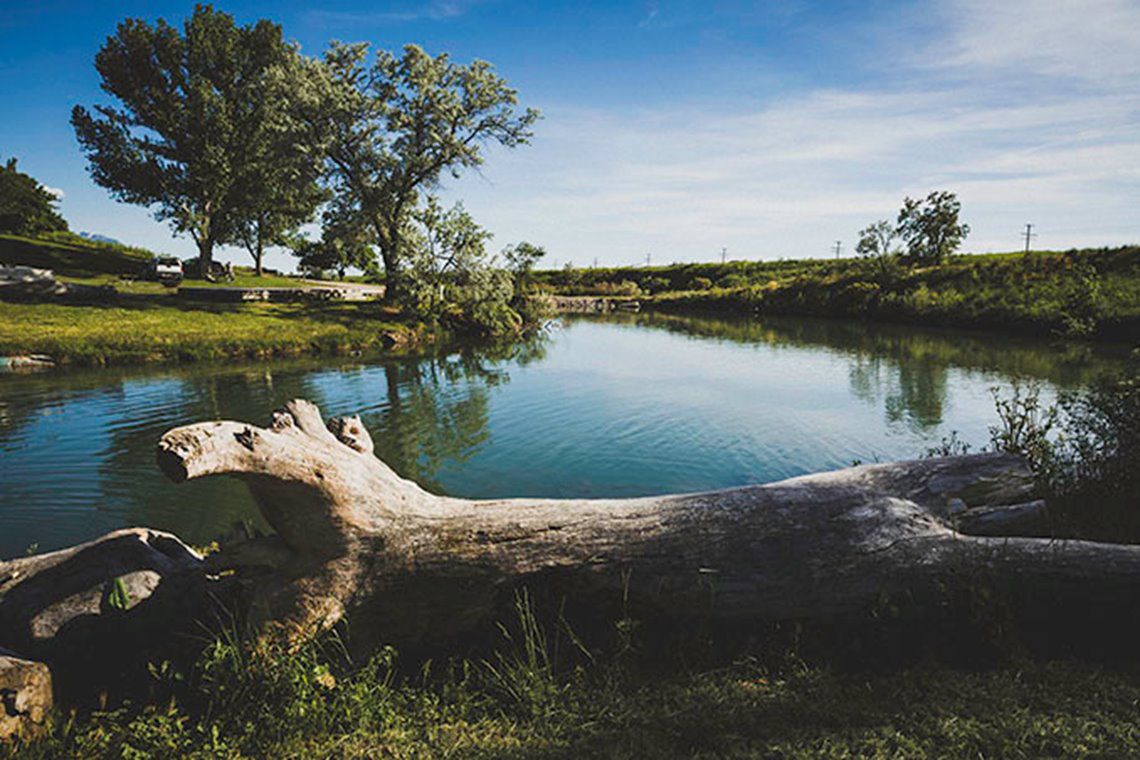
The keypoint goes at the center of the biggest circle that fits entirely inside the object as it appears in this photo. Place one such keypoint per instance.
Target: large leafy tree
(931, 228)
(26, 206)
(391, 128)
(188, 133)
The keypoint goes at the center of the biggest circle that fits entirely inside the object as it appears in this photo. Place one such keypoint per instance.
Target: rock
(26, 363)
(22, 282)
(25, 696)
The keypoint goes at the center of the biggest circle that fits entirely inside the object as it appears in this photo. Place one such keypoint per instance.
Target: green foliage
(448, 277)
(877, 243)
(277, 189)
(1011, 292)
(1080, 305)
(195, 129)
(521, 259)
(340, 248)
(1085, 450)
(930, 227)
(1025, 425)
(26, 207)
(116, 596)
(392, 127)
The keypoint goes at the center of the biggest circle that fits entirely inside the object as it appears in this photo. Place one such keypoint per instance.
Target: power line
(1029, 235)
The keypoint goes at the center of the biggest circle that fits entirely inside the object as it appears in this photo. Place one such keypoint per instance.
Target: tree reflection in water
(906, 370)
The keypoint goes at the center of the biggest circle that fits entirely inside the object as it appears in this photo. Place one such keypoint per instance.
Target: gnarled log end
(207, 448)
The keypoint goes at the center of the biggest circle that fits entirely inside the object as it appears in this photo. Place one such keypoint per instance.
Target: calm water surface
(623, 406)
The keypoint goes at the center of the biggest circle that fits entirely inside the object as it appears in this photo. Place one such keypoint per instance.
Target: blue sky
(674, 129)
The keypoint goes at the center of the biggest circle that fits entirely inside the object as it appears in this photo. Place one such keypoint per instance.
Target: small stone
(25, 696)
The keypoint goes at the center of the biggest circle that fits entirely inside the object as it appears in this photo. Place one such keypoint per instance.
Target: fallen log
(404, 565)
(354, 540)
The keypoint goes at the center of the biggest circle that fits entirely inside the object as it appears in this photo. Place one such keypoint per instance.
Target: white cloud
(1091, 41)
(791, 177)
(59, 194)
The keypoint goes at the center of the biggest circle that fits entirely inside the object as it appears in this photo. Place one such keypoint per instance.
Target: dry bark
(354, 539)
(405, 566)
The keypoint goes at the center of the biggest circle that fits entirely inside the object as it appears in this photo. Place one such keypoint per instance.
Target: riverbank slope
(1089, 293)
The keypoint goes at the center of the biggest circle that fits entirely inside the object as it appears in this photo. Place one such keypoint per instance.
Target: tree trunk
(205, 255)
(354, 538)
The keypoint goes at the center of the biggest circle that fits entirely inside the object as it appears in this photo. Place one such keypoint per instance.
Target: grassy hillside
(1092, 292)
(70, 255)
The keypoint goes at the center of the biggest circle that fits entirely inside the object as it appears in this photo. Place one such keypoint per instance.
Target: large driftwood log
(354, 539)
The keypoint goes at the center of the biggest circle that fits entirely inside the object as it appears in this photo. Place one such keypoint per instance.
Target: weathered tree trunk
(355, 539)
(406, 566)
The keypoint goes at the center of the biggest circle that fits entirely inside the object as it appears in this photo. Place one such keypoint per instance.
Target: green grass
(144, 329)
(242, 279)
(1085, 293)
(316, 703)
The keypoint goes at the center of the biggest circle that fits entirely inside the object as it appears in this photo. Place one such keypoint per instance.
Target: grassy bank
(518, 702)
(1082, 293)
(147, 323)
(167, 329)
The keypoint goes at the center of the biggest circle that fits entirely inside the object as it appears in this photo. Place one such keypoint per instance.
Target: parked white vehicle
(165, 269)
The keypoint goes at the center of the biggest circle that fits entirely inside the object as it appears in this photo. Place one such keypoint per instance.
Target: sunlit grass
(164, 330)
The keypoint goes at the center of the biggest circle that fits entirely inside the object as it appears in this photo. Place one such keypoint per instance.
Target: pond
(625, 405)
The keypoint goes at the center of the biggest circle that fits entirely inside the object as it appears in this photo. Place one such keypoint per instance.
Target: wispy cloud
(434, 10)
(792, 176)
(1092, 42)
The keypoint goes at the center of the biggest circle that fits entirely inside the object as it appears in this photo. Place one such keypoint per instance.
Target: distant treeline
(1088, 292)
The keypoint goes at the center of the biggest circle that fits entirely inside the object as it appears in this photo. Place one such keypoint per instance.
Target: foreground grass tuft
(314, 703)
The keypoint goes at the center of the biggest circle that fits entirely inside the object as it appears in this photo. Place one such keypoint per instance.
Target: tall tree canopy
(392, 127)
(26, 206)
(194, 130)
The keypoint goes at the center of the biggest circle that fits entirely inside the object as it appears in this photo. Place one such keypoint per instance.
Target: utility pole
(838, 246)
(647, 259)
(595, 262)
(723, 255)
(1029, 235)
